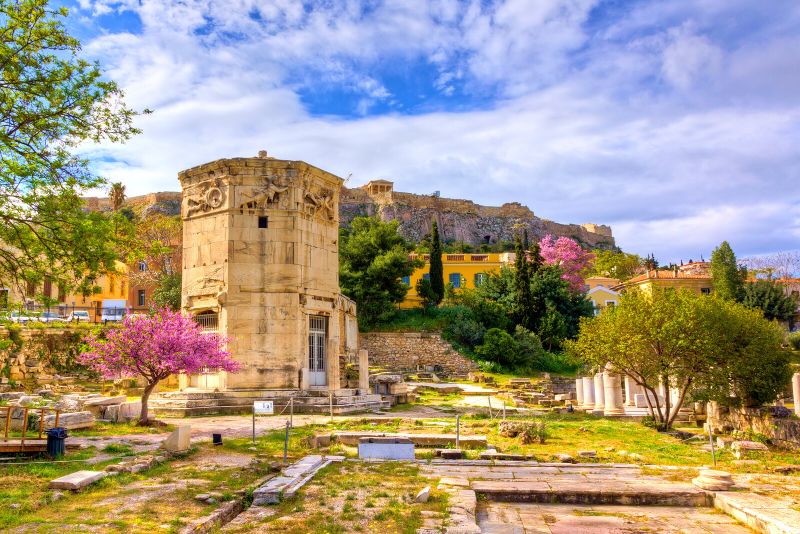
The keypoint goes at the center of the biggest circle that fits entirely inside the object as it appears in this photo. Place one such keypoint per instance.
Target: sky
(676, 123)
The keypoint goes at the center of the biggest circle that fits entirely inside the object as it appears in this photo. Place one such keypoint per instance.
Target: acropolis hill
(459, 219)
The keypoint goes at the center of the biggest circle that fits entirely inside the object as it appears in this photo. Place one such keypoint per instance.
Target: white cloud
(653, 121)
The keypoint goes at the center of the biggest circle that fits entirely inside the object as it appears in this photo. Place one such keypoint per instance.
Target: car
(79, 316)
(49, 317)
(20, 317)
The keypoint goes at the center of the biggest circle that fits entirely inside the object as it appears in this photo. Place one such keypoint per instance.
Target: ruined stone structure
(260, 252)
(460, 220)
(260, 266)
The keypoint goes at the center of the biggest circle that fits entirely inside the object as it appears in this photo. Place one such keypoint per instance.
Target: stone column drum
(599, 393)
(612, 386)
(796, 393)
(588, 393)
(579, 391)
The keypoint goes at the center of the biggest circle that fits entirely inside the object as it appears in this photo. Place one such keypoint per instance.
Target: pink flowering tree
(567, 254)
(155, 347)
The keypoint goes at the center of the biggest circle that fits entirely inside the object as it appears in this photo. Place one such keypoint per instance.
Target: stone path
(528, 518)
(567, 483)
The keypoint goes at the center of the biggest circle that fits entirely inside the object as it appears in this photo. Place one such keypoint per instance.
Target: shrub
(794, 340)
(528, 431)
(465, 331)
(498, 346)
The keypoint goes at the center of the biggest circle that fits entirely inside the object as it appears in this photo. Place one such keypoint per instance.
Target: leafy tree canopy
(770, 297)
(50, 101)
(705, 346)
(373, 258)
(619, 265)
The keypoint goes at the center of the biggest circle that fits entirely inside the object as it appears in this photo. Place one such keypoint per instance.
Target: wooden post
(41, 423)
(58, 414)
(24, 427)
(8, 421)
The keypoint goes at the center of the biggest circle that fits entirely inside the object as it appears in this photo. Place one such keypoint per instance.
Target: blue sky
(674, 122)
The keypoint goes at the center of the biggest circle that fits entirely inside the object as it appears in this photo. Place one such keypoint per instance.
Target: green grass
(101, 428)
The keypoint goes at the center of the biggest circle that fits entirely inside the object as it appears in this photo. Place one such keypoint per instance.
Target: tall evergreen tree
(524, 306)
(436, 271)
(727, 278)
(525, 243)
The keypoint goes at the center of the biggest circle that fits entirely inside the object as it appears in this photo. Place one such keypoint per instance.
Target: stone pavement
(567, 483)
(528, 518)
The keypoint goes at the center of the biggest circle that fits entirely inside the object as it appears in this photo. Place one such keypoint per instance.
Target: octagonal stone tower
(261, 266)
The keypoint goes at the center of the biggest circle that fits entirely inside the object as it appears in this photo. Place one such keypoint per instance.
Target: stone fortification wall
(410, 351)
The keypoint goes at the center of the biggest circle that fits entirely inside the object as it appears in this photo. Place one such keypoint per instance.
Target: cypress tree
(436, 271)
(524, 309)
(727, 278)
(525, 243)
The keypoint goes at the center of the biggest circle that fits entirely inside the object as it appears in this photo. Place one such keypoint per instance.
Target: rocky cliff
(459, 220)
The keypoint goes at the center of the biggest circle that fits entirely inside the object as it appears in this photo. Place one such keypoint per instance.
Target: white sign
(262, 407)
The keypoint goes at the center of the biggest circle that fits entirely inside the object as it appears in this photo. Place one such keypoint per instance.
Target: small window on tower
(263, 222)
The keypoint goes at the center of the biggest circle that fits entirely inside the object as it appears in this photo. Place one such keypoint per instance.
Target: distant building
(694, 276)
(462, 270)
(600, 292)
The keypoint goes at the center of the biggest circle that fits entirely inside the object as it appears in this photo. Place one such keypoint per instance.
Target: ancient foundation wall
(400, 351)
(35, 355)
(783, 431)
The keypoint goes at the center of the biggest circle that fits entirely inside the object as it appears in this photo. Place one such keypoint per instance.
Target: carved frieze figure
(211, 197)
(320, 203)
(260, 198)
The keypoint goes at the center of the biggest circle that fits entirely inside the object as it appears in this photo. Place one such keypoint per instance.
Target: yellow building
(600, 292)
(462, 270)
(109, 286)
(694, 276)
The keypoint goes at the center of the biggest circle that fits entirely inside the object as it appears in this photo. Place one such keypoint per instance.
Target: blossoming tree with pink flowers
(567, 254)
(155, 347)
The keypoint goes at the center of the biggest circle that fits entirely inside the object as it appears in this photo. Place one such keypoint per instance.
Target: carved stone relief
(210, 197)
(270, 194)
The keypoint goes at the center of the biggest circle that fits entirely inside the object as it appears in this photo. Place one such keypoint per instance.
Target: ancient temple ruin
(260, 266)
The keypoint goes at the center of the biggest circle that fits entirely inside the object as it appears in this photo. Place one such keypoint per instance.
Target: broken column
(599, 393)
(612, 393)
(579, 391)
(796, 393)
(588, 393)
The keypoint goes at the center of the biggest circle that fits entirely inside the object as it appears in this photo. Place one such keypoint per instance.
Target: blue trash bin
(55, 441)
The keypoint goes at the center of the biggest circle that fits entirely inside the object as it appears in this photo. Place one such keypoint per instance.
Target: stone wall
(35, 355)
(401, 351)
(783, 431)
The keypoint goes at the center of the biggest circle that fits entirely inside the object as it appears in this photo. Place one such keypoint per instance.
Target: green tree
(427, 295)
(770, 297)
(373, 259)
(436, 270)
(619, 265)
(116, 194)
(167, 293)
(727, 278)
(697, 345)
(526, 310)
(51, 100)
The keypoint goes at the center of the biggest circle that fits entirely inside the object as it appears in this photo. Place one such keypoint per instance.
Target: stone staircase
(229, 402)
